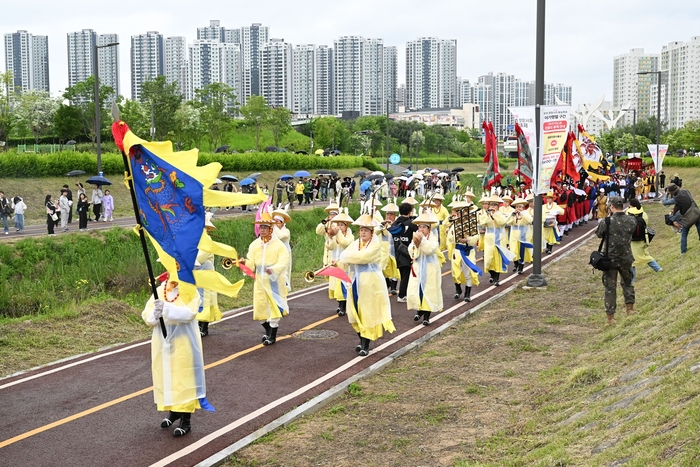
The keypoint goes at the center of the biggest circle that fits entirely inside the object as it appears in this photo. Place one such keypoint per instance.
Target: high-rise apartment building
(147, 60)
(81, 58)
(276, 73)
(108, 61)
(680, 67)
(252, 39)
(482, 95)
(323, 80)
(232, 67)
(214, 32)
(631, 90)
(347, 70)
(373, 97)
(304, 79)
(27, 57)
(431, 73)
(205, 56)
(503, 95)
(175, 57)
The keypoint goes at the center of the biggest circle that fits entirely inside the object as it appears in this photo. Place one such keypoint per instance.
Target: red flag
(493, 175)
(571, 169)
(487, 140)
(332, 271)
(525, 164)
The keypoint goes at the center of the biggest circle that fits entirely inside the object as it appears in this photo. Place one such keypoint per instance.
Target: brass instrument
(465, 223)
(228, 263)
(310, 276)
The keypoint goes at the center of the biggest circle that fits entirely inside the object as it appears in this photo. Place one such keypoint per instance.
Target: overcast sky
(582, 38)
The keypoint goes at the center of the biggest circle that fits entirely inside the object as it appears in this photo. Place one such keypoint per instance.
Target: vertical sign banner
(658, 159)
(554, 125)
(525, 119)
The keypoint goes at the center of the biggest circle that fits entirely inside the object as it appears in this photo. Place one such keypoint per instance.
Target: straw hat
(411, 200)
(507, 197)
(494, 199)
(207, 222)
(530, 197)
(426, 217)
(439, 196)
(332, 206)
(518, 201)
(391, 206)
(265, 219)
(550, 194)
(469, 193)
(343, 217)
(281, 214)
(365, 220)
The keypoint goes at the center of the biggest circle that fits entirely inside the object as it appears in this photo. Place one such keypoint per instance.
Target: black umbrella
(73, 173)
(458, 169)
(389, 176)
(323, 172)
(255, 175)
(223, 148)
(375, 177)
(98, 180)
(229, 178)
(271, 149)
(336, 152)
(360, 173)
(301, 152)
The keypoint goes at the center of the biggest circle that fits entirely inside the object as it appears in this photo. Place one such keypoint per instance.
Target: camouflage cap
(618, 202)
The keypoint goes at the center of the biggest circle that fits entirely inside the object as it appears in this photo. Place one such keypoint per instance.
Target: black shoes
(272, 338)
(342, 307)
(467, 294)
(458, 291)
(203, 328)
(426, 318)
(364, 346)
(184, 427)
(172, 418)
(267, 327)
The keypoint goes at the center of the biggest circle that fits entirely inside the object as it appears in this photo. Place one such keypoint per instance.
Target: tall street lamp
(634, 128)
(98, 107)
(658, 121)
(388, 151)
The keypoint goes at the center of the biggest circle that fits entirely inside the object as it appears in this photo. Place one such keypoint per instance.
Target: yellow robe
(337, 289)
(461, 273)
(442, 214)
(425, 280)
(284, 235)
(369, 309)
(519, 229)
(177, 364)
(269, 290)
(494, 241)
(389, 268)
(210, 299)
(548, 232)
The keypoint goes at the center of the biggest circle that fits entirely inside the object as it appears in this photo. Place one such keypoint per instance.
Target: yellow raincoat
(270, 290)
(369, 309)
(442, 214)
(425, 280)
(550, 210)
(460, 271)
(284, 235)
(210, 299)
(519, 228)
(336, 245)
(494, 241)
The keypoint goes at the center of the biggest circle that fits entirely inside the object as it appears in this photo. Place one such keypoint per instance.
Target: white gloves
(158, 309)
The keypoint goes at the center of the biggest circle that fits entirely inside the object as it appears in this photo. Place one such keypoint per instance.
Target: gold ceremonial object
(309, 276)
(465, 223)
(228, 263)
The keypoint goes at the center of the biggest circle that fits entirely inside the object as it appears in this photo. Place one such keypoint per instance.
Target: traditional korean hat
(438, 195)
(282, 214)
(410, 200)
(265, 219)
(530, 197)
(469, 193)
(507, 197)
(494, 199)
(550, 194)
(365, 220)
(207, 222)
(518, 201)
(426, 217)
(333, 205)
(343, 217)
(455, 200)
(391, 206)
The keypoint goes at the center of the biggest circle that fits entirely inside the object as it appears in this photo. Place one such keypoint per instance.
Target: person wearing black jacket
(402, 231)
(684, 213)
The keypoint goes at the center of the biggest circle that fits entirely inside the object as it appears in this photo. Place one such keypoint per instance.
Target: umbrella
(377, 172)
(442, 174)
(401, 177)
(301, 152)
(229, 178)
(418, 176)
(70, 141)
(223, 148)
(318, 152)
(271, 149)
(255, 175)
(302, 173)
(359, 173)
(73, 173)
(374, 177)
(365, 185)
(98, 180)
(323, 172)
(389, 176)
(218, 180)
(336, 152)
(458, 169)
(246, 182)
(286, 177)
(406, 172)
(434, 171)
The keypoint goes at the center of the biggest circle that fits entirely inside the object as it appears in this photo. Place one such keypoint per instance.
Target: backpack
(640, 229)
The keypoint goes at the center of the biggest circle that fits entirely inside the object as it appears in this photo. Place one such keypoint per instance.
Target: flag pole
(142, 236)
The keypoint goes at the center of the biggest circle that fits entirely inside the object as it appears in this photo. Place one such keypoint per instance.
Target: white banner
(554, 125)
(658, 161)
(525, 118)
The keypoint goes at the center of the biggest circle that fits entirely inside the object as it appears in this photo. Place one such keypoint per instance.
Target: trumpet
(310, 276)
(228, 263)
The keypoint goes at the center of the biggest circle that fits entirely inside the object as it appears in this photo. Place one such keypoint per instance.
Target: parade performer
(550, 232)
(520, 222)
(384, 232)
(322, 229)
(442, 215)
(462, 254)
(209, 311)
(339, 236)
(269, 258)
(369, 310)
(496, 256)
(176, 362)
(402, 231)
(280, 230)
(425, 281)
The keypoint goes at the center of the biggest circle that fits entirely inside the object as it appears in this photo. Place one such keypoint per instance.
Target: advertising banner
(658, 159)
(554, 125)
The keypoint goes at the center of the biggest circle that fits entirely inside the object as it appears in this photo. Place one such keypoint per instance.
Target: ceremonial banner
(527, 144)
(589, 149)
(554, 123)
(493, 175)
(658, 160)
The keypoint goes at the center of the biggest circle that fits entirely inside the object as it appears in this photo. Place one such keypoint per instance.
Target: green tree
(163, 99)
(137, 116)
(417, 141)
(189, 129)
(280, 123)
(215, 102)
(82, 96)
(8, 93)
(36, 110)
(257, 116)
(66, 122)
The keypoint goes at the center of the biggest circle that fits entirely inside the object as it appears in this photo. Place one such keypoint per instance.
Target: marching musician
(462, 253)
(520, 221)
(389, 265)
(339, 237)
(442, 215)
(425, 281)
(269, 258)
(496, 256)
(281, 217)
(402, 230)
(550, 232)
(209, 311)
(369, 312)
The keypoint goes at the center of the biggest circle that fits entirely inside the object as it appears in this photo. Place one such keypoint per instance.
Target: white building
(108, 61)
(631, 90)
(373, 96)
(304, 79)
(27, 57)
(147, 60)
(323, 82)
(214, 32)
(680, 66)
(205, 60)
(175, 59)
(431, 73)
(252, 39)
(276, 73)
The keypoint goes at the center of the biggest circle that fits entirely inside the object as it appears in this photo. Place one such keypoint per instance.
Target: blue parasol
(246, 181)
(286, 177)
(302, 173)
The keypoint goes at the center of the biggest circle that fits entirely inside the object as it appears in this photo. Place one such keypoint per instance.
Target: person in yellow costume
(483, 210)
(389, 267)
(442, 215)
(425, 280)
(520, 221)
(269, 258)
(462, 254)
(280, 230)
(369, 310)
(550, 232)
(322, 229)
(176, 361)
(339, 237)
(209, 311)
(496, 255)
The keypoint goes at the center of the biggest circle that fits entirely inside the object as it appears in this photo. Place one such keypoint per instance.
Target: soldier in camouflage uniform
(618, 238)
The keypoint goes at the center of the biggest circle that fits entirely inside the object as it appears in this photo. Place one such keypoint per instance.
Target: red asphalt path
(97, 409)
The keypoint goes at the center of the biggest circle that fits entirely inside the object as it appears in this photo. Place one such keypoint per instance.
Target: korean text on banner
(554, 125)
(525, 119)
(658, 161)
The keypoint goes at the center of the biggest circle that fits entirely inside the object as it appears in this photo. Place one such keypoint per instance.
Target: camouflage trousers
(610, 283)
